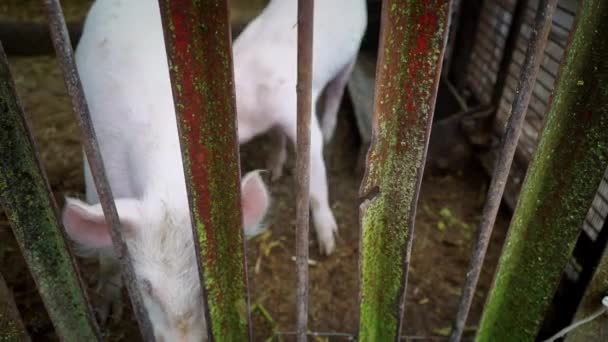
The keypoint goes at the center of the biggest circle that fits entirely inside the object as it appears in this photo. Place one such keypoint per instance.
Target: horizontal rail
(31, 38)
(413, 38)
(30, 207)
(560, 185)
(198, 42)
(65, 54)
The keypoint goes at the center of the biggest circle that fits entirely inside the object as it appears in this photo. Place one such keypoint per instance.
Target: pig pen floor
(445, 225)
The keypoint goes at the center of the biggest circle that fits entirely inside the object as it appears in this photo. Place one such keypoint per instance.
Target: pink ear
(86, 224)
(254, 199)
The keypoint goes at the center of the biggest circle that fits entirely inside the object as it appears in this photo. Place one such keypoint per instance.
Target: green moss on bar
(413, 39)
(31, 211)
(560, 185)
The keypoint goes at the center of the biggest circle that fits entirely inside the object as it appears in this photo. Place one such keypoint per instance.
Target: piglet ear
(254, 200)
(86, 224)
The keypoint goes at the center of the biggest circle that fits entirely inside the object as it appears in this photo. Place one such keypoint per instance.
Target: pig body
(265, 66)
(124, 71)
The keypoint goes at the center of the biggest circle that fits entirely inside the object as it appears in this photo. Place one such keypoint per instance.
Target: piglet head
(159, 238)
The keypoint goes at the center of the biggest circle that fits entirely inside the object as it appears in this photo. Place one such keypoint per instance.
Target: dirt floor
(448, 212)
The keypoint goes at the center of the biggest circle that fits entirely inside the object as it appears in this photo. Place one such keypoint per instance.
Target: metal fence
(561, 184)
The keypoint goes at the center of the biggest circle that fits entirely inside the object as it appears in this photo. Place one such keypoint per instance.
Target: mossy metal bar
(31, 210)
(65, 55)
(561, 182)
(527, 80)
(198, 41)
(413, 38)
(11, 324)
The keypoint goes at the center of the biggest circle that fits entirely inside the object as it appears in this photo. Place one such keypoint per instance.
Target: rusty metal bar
(455, 14)
(525, 87)
(413, 38)
(304, 103)
(198, 41)
(560, 185)
(508, 50)
(11, 324)
(30, 207)
(65, 54)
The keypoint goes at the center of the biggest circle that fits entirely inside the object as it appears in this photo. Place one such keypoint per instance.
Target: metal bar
(352, 337)
(304, 104)
(455, 14)
(198, 41)
(65, 54)
(31, 38)
(597, 288)
(471, 13)
(30, 207)
(560, 185)
(585, 295)
(502, 166)
(413, 38)
(11, 324)
(461, 101)
(509, 49)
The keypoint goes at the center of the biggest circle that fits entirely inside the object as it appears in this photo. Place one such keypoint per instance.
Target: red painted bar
(198, 40)
(413, 37)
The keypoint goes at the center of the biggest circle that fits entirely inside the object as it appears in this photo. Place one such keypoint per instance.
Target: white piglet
(123, 66)
(265, 66)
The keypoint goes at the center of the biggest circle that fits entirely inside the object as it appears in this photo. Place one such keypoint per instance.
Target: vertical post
(525, 87)
(466, 30)
(31, 210)
(413, 38)
(519, 18)
(11, 325)
(65, 54)
(561, 182)
(304, 103)
(199, 50)
(455, 14)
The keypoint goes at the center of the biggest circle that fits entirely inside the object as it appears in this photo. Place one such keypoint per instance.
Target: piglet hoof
(276, 171)
(327, 244)
(327, 229)
(328, 132)
(276, 163)
(110, 301)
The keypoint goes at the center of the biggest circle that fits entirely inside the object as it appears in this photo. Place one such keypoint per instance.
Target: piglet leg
(109, 288)
(333, 93)
(323, 218)
(278, 155)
